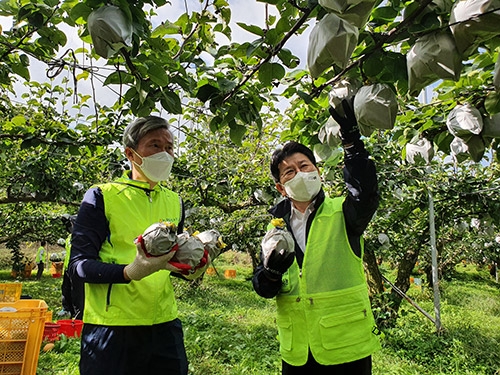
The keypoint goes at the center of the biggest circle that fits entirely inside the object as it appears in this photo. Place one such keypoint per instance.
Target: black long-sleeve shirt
(359, 207)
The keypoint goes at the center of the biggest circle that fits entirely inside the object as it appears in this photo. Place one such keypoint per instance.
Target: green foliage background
(229, 330)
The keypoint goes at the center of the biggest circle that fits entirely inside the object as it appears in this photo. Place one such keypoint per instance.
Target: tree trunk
(373, 275)
(406, 265)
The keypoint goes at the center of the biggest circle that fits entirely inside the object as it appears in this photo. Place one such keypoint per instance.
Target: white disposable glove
(143, 265)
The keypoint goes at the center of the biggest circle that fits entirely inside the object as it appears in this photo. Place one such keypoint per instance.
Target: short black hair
(287, 150)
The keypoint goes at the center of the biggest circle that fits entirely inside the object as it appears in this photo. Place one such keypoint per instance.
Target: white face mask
(304, 186)
(156, 167)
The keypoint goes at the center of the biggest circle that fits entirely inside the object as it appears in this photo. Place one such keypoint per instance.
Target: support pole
(412, 302)
(435, 279)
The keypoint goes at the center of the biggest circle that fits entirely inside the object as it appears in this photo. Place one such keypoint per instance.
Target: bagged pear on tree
(433, 57)
(419, 149)
(331, 42)
(110, 30)
(434, 7)
(473, 22)
(464, 121)
(356, 12)
(345, 89)
(329, 133)
(375, 107)
(473, 148)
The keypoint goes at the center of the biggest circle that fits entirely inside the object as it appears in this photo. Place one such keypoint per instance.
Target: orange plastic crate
(10, 292)
(21, 334)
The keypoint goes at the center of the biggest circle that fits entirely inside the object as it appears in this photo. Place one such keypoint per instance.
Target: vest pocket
(286, 285)
(285, 332)
(338, 331)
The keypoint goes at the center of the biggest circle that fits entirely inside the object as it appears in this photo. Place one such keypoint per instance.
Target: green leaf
(215, 124)
(236, 133)
(74, 150)
(21, 70)
(288, 59)
(251, 28)
(305, 96)
(373, 65)
(225, 84)
(207, 92)
(166, 28)
(269, 72)
(384, 13)
(171, 102)
(158, 75)
(80, 12)
(492, 102)
(119, 77)
(26, 143)
(19, 120)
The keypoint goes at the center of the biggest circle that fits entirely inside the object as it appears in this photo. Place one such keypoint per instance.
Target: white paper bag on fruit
(331, 42)
(421, 148)
(464, 121)
(375, 107)
(473, 22)
(345, 89)
(472, 148)
(356, 12)
(159, 238)
(212, 240)
(110, 30)
(432, 57)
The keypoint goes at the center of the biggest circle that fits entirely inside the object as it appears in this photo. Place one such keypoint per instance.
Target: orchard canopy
(74, 73)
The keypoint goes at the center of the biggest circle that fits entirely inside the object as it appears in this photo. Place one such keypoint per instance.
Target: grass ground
(229, 330)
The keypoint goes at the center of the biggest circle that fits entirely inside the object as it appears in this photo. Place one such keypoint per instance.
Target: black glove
(278, 252)
(349, 130)
(279, 262)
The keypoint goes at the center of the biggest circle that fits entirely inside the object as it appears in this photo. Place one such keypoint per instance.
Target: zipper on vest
(148, 193)
(311, 301)
(108, 297)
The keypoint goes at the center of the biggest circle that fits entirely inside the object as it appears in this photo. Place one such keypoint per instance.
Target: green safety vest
(67, 247)
(130, 207)
(42, 255)
(325, 307)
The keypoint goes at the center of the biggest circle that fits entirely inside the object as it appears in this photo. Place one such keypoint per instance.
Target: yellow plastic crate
(10, 292)
(21, 333)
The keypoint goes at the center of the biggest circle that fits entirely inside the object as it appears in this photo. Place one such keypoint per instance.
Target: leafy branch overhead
(168, 63)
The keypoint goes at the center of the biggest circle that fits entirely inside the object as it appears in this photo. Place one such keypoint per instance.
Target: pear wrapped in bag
(278, 250)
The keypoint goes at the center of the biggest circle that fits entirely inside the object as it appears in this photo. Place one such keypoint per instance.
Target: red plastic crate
(70, 327)
(51, 331)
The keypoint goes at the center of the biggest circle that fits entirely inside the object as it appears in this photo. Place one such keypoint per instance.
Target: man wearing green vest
(130, 315)
(41, 259)
(324, 317)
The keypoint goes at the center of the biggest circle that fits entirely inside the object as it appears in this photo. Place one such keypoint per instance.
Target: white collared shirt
(298, 223)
